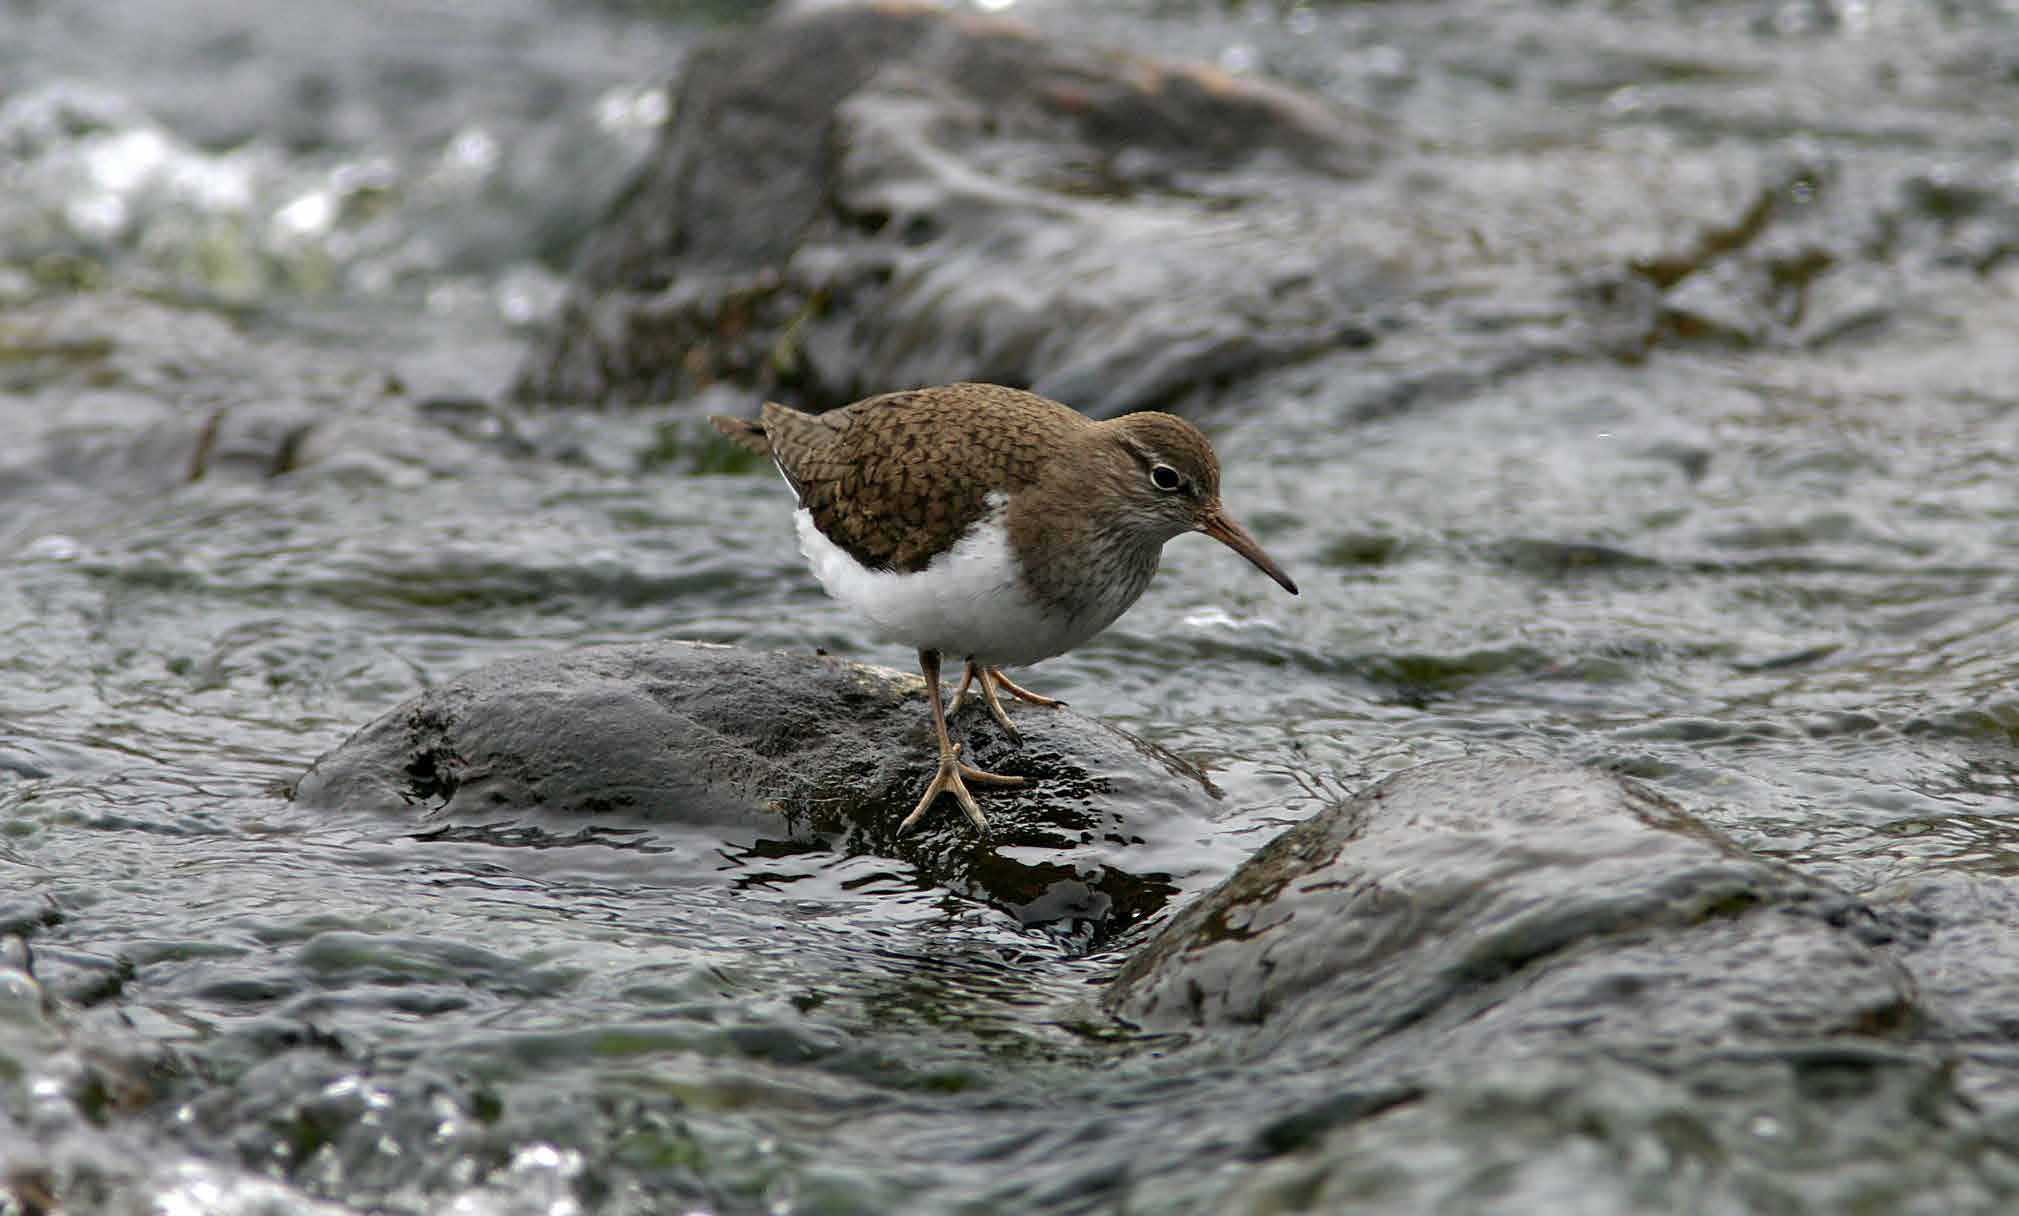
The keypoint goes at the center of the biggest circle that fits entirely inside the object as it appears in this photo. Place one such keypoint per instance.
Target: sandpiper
(991, 525)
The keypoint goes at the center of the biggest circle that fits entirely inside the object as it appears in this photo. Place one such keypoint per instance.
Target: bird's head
(1168, 481)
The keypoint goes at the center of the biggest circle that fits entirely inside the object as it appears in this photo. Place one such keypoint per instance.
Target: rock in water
(1484, 907)
(750, 746)
(868, 196)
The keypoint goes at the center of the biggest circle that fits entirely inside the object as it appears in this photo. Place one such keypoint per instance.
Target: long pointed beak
(1236, 537)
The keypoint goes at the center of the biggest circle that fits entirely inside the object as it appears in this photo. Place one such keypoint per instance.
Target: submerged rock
(1964, 953)
(767, 746)
(870, 196)
(111, 398)
(1490, 908)
(1507, 970)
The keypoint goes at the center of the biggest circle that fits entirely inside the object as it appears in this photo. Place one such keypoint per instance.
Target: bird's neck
(1072, 560)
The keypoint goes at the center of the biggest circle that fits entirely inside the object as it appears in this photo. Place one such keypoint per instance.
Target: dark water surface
(1781, 587)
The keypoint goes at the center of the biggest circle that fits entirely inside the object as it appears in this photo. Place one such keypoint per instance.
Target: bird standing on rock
(989, 524)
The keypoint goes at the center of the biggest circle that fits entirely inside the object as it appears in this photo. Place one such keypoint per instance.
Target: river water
(1773, 576)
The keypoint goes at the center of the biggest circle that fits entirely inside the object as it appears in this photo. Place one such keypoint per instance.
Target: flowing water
(1780, 589)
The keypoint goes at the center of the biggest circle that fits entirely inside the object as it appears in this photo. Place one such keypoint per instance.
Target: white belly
(968, 604)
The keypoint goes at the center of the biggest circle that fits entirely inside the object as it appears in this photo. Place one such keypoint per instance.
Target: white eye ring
(1164, 477)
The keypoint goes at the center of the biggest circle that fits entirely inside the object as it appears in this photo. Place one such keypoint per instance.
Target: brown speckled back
(896, 479)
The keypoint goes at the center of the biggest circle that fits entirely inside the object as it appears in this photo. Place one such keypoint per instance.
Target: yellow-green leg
(990, 679)
(953, 775)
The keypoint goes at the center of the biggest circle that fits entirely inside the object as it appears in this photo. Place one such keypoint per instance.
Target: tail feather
(743, 433)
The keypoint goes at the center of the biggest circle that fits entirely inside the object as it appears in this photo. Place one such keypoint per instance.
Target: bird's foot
(1021, 693)
(992, 678)
(953, 777)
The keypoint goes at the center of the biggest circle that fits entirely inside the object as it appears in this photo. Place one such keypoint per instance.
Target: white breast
(967, 604)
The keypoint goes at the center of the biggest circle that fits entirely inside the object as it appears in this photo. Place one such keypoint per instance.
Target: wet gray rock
(1965, 959)
(1815, 253)
(796, 750)
(874, 195)
(1493, 908)
(866, 197)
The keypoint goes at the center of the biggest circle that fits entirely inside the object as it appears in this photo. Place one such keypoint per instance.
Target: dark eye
(1164, 477)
